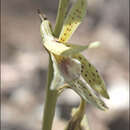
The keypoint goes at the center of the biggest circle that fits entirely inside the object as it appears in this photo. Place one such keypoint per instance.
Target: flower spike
(70, 67)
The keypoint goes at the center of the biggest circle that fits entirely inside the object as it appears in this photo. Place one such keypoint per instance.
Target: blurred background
(24, 64)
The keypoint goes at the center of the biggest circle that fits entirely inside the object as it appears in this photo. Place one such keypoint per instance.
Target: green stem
(63, 5)
(51, 95)
(77, 116)
(50, 101)
(80, 111)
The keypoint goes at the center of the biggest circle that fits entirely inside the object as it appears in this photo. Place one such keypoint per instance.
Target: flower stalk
(51, 95)
(50, 101)
(68, 68)
(77, 117)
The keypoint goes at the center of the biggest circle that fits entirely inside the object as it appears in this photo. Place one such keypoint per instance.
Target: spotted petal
(73, 20)
(70, 70)
(91, 76)
(82, 89)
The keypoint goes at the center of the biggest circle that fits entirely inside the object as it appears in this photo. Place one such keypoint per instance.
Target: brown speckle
(78, 10)
(80, 58)
(90, 95)
(62, 39)
(93, 74)
(82, 66)
(68, 29)
(89, 65)
(97, 76)
(89, 81)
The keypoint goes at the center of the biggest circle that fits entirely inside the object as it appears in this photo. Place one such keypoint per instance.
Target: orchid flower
(72, 69)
